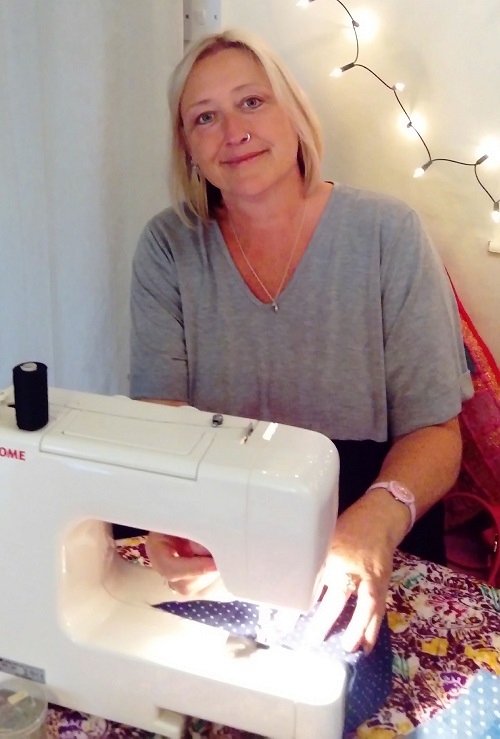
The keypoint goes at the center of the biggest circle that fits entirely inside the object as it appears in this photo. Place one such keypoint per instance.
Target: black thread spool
(31, 396)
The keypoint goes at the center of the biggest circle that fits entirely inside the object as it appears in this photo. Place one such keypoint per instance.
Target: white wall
(448, 54)
(83, 166)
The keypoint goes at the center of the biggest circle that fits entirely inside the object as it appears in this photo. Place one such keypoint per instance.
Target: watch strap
(410, 503)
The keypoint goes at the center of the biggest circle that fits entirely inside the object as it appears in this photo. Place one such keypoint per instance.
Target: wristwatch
(401, 493)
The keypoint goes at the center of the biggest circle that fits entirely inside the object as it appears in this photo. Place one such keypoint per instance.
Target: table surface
(445, 630)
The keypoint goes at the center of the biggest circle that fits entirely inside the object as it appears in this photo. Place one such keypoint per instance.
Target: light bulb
(417, 123)
(491, 147)
(399, 86)
(421, 170)
(367, 25)
(340, 70)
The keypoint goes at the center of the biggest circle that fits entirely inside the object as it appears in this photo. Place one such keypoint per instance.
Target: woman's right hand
(188, 567)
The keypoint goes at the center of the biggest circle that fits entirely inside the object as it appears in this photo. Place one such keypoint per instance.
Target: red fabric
(478, 348)
(480, 425)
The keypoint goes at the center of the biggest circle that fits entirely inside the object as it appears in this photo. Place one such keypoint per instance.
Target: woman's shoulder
(168, 221)
(370, 201)
(168, 232)
(363, 214)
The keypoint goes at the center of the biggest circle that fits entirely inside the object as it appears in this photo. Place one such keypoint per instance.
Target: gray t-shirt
(366, 343)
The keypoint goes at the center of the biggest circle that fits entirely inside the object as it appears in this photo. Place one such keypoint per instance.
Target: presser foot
(245, 646)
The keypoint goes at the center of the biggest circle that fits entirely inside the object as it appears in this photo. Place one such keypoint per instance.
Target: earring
(300, 157)
(195, 170)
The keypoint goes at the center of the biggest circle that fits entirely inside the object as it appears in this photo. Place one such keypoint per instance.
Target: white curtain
(83, 161)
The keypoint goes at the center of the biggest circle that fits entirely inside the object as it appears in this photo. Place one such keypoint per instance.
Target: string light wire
(395, 89)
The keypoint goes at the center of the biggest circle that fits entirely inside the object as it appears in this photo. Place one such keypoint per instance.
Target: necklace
(272, 298)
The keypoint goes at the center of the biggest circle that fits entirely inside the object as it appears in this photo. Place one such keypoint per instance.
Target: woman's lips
(243, 158)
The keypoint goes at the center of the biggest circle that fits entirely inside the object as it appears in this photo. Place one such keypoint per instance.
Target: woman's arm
(427, 462)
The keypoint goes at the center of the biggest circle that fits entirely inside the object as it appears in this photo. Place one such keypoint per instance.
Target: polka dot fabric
(474, 715)
(370, 675)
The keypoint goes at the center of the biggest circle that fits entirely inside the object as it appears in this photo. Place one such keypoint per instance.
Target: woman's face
(228, 96)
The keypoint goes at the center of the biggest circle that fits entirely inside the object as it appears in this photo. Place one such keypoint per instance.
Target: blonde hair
(193, 195)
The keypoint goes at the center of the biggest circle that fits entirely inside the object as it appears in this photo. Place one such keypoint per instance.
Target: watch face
(402, 493)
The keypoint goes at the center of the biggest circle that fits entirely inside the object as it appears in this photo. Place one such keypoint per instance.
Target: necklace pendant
(273, 303)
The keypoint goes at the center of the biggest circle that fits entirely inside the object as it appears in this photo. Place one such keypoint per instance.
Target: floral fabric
(445, 629)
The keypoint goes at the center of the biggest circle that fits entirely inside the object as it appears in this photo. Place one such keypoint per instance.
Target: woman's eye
(204, 118)
(252, 102)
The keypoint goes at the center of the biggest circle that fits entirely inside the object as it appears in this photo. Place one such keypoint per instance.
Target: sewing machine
(261, 497)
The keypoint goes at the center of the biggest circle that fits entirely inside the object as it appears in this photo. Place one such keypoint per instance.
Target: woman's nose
(235, 130)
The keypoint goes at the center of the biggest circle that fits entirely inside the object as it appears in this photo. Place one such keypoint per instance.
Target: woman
(269, 293)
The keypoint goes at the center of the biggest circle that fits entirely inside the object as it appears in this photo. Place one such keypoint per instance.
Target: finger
(365, 623)
(160, 550)
(188, 548)
(328, 611)
(372, 632)
(198, 550)
(180, 568)
(193, 585)
(172, 557)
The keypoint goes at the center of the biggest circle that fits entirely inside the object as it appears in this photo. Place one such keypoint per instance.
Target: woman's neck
(267, 210)
(267, 243)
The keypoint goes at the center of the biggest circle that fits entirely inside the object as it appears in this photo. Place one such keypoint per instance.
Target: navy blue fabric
(370, 675)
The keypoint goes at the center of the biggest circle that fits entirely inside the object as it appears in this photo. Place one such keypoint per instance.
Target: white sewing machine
(75, 615)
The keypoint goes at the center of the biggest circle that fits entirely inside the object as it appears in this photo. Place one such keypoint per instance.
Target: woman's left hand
(360, 561)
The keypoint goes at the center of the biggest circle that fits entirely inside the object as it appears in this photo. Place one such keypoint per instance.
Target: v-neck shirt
(366, 343)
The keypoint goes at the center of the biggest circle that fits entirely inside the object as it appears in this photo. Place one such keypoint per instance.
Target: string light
(340, 70)
(395, 89)
(421, 170)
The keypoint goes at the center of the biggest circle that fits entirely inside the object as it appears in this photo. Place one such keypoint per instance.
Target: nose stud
(246, 138)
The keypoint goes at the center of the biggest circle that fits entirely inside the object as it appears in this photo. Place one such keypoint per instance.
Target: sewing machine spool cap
(23, 709)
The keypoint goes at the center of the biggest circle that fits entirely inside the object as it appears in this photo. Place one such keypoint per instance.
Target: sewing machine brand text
(19, 454)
